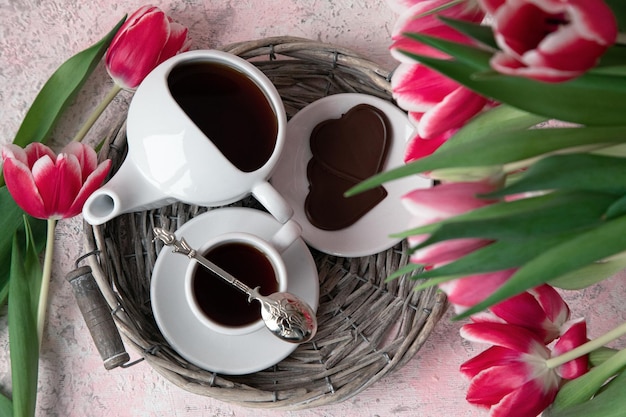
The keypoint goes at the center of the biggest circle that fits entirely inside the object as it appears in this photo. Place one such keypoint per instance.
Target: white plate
(370, 234)
(234, 355)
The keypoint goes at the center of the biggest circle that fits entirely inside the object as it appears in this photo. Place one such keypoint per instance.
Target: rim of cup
(275, 259)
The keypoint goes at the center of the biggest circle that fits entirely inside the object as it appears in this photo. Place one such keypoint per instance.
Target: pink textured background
(36, 36)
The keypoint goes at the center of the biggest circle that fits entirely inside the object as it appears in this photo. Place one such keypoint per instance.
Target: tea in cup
(205, 127)
(256, 262)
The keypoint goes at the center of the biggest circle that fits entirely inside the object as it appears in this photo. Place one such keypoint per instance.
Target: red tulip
(574, 335)
(550, 40)
(541, 310)
(430, 205)
(419, 147)
(420, 19)
(466, 292)
(146, 39)
(437, 104)
(48, 186)
(512, 378)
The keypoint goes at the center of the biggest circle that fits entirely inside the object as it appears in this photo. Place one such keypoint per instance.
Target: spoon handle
(182, 247)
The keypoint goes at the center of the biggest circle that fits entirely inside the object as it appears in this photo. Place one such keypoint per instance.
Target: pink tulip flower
(574, 334)
(419, 148)
(441, 202)
(436, 104)
(512, 378)
(419, 18)
(466, 292)
(541, 310)
(147, 38)
(48, 186)
(550, 40)
(449, 199)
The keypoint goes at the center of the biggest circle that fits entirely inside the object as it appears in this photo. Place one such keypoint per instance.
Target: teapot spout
(127, 191)
(101, 207)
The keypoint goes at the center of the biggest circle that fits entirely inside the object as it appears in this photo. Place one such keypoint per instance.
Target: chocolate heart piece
(355, 145)
(325, 205)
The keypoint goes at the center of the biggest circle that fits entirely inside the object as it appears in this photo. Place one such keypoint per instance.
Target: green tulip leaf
(572, 211)
(433, 281)
(23, 339)
(591, 99)
(501, 148)
(613, 58)
(10, 222)
(571, 255)
(481, 33)
(582, 389)
(6, 406)
(590, 274)
(497, 256)
(407, 269)
(616, 209)
(494, 211)
(504, 254)
(500, 119)
(601, 355)
(610, 402)
(465, 174)
(59, 90)
(615, 71)
(582, 171)
(619, 11)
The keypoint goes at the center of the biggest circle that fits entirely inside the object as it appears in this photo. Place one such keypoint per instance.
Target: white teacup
(194, 135)
(254, 261)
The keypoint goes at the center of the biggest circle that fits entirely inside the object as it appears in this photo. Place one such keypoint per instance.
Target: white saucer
(370, 234)
(234, 355)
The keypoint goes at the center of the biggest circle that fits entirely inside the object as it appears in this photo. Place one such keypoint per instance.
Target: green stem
(97, 112)
(588, 347)
(45, 280)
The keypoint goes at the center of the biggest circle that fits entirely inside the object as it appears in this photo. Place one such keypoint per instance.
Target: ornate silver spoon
(285, 315)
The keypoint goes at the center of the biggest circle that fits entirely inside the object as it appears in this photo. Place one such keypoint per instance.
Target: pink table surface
(35, 38)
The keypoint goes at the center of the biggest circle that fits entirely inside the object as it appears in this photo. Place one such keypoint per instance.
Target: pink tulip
(574, 335)
(550, 40)
(466, 292)
(436, 104)
(541, 310)
(146, 39)
(48, 186)
(512, 378)
(449, 199)
(420, 19)
(418, 89)
(441, 202)
(419, 148)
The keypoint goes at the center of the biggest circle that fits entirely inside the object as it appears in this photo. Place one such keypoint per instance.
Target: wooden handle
(98, 318)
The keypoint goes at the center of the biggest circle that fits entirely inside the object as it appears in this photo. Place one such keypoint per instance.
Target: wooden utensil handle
(98, 318)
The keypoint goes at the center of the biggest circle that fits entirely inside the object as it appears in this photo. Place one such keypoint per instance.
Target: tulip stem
(588, 347)
(97, 112)
(45, 280)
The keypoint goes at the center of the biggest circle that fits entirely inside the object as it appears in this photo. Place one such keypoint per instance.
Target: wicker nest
(367, 327)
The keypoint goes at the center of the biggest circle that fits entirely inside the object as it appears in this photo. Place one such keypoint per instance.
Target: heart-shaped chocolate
(325, 205)
(355, 145)
(345, 152)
